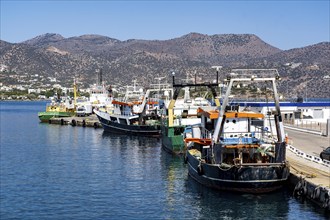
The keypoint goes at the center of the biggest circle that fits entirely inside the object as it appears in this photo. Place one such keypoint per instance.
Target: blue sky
(283, 24)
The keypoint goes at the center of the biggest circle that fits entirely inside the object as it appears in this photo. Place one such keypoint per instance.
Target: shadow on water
(279, 204)
(204, 203)
(237, 205)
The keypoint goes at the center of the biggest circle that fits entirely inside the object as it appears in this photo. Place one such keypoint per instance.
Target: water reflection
(65, 172)
(236, 205)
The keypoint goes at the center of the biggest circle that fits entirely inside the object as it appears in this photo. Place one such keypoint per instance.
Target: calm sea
(63, 172)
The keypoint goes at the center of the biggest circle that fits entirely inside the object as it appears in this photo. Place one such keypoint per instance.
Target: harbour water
(64, 172)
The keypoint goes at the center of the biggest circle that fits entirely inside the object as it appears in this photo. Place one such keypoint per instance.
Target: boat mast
(74, 92)
(177, 87)
(278, 117)
(217, 131)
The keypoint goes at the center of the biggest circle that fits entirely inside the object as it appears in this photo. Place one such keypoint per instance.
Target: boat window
(234, 121)
(227, 121)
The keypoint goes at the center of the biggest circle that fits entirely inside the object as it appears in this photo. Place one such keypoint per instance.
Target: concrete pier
(310, 176)
(88, 121)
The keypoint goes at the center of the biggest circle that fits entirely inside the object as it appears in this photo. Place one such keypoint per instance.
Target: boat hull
(141, 130)
(241, 178)
(46, 116)
(172, 139)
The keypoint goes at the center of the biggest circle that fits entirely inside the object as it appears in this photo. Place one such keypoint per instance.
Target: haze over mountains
(52, 55)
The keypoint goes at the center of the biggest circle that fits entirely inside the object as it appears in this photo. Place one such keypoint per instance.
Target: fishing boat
(58, 108)
(130, 117)
(237, 149)
(100, 95)
(182, 113)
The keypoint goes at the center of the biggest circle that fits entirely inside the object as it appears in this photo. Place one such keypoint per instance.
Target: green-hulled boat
(172, 139)
(56, 110)
(60, 108)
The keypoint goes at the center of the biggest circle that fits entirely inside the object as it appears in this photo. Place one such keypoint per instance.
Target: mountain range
(302, 70)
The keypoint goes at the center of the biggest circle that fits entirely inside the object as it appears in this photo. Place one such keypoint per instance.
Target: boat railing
(54, 107)
(123, 114)
(240, 137)
(266, 136)
(258, 136)
(198, 131)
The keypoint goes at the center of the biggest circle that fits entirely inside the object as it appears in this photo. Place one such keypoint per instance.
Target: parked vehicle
(84, 110)
(325, 154)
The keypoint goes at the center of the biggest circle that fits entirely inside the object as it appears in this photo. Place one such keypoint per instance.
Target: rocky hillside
(122, 61)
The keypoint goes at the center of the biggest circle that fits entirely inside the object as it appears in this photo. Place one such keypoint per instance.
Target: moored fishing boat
(100, 95)
(239, 150)
(181, 114)
(130, 117)
(57, 109)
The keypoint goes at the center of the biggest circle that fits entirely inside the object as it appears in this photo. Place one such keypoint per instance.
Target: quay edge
(305, 189)
(88, 121)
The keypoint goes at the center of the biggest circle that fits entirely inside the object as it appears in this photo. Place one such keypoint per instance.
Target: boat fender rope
(224, 169)
(200, 168)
